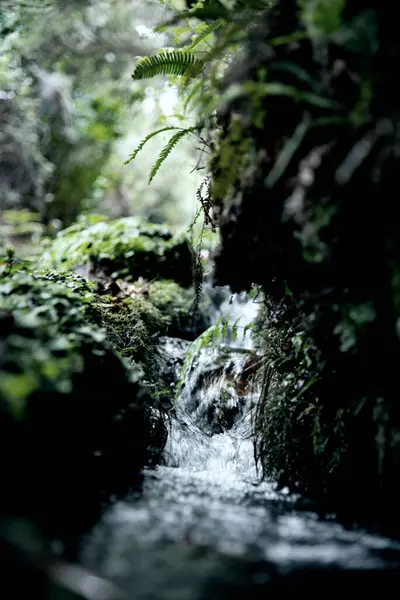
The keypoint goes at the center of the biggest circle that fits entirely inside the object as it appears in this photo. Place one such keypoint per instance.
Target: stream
(205, 525)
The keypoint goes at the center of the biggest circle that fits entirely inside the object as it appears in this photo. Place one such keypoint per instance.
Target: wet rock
(176, 305)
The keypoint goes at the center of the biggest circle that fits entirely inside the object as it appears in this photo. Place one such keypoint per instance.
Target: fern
(215, 334)
(168, 63)
(287, 152)
(247, 328)
(211, 335)
(203, 34)
(145, 140)
(224, 330)
(206, 201)
(202, 341)
(235, 328)
(195, 219)
(167, 150)
(198, 275)
(193, 94)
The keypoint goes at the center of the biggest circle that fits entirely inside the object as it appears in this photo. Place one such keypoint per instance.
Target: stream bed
(206, 526)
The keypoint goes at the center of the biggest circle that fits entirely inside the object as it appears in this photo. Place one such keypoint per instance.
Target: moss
(132, 327)
(75, 421)
(126, 248)
(175, 304)
(134, 323)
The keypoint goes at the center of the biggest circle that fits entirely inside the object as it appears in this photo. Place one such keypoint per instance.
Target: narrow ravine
(205, 525)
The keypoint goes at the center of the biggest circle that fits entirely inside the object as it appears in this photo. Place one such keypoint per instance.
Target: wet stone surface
(195, 534)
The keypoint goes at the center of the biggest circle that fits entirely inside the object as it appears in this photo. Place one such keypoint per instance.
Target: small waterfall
(237, 308)
(211, 429)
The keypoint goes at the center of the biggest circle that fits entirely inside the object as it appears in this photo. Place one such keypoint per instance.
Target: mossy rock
(134, 323)
(133, 326)
(176, 306)
(75, 422)
(126, 248)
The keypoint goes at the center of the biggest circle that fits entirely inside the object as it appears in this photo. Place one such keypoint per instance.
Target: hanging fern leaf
(247, 328)
(203, 34)
(167, 150)
(145, 140)
(167, 63)
(224, 331)
(193, 94)
(235, 328)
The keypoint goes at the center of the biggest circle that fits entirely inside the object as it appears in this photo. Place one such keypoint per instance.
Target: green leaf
(287, 152)
(167, 63)
(206, 32)
(235, 328)
(279, 89)
(192, 94)
(247, 328)
(322, 18)
(224, 330)
(145, 140)
(167, 150)
(300, 73)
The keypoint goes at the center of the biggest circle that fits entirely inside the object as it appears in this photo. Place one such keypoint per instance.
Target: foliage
(303, 147)
(165, 151)
(50, 124)
(199, 60)
(68, 111)
(167, 63)
(129, 248)
(50, 293)
(217, 333)
(66, 396)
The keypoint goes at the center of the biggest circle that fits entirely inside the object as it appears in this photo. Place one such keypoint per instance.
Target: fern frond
(167, 63)
(167, 150)
(198, 276)
(247, 328)
(224, 331)
(145, 140)
(203, 34)
(195, 219)
(235, 328)
(192, 94)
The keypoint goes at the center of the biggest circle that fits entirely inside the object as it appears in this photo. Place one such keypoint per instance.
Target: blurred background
(70, 115)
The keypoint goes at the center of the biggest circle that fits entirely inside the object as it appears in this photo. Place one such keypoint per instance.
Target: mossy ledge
(75, 422)
(126, 248)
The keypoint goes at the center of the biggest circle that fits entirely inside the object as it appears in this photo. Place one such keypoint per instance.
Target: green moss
(175, 304)
(126, 248)
(74, 419)
(49, 298)
(132, 326)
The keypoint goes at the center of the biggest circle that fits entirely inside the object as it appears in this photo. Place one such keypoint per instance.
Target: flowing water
(205, 526)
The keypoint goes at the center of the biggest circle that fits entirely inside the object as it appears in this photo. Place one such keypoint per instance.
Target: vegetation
(300, 129)
(69, 110)
(74, 417)
(292, 108)
(127, 248)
